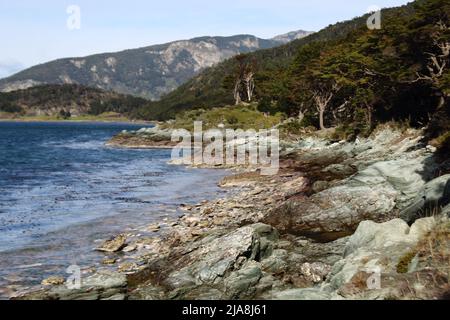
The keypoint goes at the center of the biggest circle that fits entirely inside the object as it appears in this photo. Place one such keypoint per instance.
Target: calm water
(61, 190)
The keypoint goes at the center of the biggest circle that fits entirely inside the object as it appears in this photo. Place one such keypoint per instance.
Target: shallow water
(61, 190)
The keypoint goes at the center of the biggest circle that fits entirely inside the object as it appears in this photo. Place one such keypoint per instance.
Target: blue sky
(34, 32)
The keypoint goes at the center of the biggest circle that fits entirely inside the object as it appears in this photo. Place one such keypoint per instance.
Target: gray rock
(217, 258)
(431, 197)
(104, 285)
(337, 211)
(301, 294)
(377, 247)
(319, 186)
(114, 244)
(276, 263)
(315, 272)
(446, 210)
(327, 253)
(241, 284)
(340, 170)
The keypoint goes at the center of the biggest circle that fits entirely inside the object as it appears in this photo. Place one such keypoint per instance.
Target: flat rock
(113, 245)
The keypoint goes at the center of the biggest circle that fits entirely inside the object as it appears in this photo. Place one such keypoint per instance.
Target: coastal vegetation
(231, 117)
(74, 102)
(344, 76)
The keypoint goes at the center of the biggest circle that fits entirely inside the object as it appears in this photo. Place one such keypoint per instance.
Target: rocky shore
(345, 220)
(146, 138)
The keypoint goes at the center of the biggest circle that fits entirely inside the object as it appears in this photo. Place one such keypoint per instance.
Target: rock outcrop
(145, 138)
(149, 72)
(429, 200)
(387, 261)
(101, 286)
(385, 182)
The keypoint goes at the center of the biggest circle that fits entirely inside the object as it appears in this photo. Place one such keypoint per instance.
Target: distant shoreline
(143, 122)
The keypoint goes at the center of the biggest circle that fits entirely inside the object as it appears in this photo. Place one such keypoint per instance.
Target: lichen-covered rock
(217, 258)
(105, 285)
(145, 138)
(53, 281)
(377, 248)
(315, 272)
(113, 245)
(241, 284)
(431, 197)
(372, 194)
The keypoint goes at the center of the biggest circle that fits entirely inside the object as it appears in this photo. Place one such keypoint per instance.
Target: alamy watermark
(374, 280)
(73, 282)
(74, 20)
(229, 147)
(374, 20)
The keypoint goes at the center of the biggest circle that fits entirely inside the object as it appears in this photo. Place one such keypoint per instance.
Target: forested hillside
(66, 101)
(147, 72)
(344, 75)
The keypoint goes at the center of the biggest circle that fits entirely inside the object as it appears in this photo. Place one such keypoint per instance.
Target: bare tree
(249, 84)
(322, 98)
(245, 83)
(437, 62)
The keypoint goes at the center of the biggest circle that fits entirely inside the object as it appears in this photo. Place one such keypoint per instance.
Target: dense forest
(344, 75)
(67, 100)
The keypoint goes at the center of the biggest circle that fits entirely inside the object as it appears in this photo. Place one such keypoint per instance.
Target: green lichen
(405, 261)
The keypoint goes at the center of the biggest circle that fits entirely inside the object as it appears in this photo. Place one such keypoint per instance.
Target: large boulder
(376, 249)
(375, 193)
(223, 257)
(431, 197)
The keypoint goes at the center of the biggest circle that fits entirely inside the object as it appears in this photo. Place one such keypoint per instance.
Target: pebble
(108, 261)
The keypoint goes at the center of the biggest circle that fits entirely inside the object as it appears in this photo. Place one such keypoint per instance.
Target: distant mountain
(148, 72)
(291, 36)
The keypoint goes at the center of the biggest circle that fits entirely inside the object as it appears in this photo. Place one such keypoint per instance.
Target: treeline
(60, 99)
(345, 75)
(399, 72)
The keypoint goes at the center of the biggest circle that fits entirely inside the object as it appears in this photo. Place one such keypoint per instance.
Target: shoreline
(135, 230)
(139, 122)
(251, 245)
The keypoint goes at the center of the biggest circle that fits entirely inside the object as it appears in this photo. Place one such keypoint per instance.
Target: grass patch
(243, 117)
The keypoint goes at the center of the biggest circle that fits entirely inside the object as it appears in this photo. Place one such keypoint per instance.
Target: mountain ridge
(147, 72)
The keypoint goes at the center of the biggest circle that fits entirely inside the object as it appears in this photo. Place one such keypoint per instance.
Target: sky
(34, 32)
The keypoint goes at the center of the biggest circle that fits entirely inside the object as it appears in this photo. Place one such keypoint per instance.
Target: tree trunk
(369, 115)
(441, 101)
(301, 116)
(237, 93)
(250, 88)
(321, 112)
